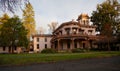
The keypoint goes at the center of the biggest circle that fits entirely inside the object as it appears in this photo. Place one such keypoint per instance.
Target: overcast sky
(47, 11)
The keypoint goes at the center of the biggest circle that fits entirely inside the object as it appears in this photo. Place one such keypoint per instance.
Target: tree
(106, 13)
(13, 34)
(11, 5)
(28, 19)
(3, 19)
(41, 30)
(106, 19)
(52, 26)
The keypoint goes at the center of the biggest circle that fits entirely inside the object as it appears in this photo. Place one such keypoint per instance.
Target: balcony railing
(70, 36)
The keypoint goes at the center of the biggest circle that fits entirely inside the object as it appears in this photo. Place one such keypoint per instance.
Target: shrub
(78, 50)
(95, 49)
(48, 51)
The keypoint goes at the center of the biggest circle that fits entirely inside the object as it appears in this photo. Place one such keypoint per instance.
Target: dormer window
(84, 22)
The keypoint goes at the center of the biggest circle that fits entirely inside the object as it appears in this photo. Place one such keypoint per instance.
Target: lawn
(23, 59)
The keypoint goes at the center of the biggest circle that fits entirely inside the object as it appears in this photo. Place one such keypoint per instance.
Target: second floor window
(81, 31)
(74, 30)
(45, 39)
(37, 39)
(90, 32)
(67, 31)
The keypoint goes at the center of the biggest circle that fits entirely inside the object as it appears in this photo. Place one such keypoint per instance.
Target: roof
(42, 35)
(75, 23)
(66, 23)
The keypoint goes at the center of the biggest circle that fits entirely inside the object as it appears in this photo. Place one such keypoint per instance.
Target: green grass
(23, 59)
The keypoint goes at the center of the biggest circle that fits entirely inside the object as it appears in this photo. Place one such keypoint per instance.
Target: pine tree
(28, 19)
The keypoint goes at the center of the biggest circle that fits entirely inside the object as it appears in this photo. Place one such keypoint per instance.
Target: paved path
(94, 64)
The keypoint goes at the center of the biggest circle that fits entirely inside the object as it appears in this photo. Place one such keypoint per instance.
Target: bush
(95, 49)
(48, 51)
(78, 50)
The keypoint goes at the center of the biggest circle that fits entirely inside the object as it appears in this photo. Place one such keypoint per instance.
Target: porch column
(58, 43)
(72, 47)
(53, 45)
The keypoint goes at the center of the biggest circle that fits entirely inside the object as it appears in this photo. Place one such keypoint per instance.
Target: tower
(83, 19)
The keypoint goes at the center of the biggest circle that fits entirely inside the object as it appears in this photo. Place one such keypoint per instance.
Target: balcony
(66, 36)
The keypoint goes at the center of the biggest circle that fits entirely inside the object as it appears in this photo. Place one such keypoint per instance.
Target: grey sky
(47, 11)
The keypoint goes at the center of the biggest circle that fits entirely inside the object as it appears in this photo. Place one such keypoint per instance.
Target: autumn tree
(106, 18)
(4, 18)
(52, 26)
(13, 34)
(28, 19)
(11, 5)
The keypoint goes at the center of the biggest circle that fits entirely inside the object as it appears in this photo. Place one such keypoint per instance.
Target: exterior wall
(18, 50)
(80, 34)
(4, 51)
(86, 30)
(41, 43)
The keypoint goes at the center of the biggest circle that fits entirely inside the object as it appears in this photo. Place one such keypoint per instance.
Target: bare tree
(41, 30)
(52, 26)
(11, 5)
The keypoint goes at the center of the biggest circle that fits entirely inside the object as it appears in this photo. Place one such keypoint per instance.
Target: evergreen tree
(28, 19)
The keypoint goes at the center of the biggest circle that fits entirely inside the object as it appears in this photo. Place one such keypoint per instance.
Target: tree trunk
(12, 49)
(109, 45)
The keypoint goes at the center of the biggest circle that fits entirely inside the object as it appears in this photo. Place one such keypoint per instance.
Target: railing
(69, 36)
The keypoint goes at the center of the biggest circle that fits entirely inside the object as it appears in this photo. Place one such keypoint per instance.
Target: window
(37, 46)
(67, 31)
(90, 32)
(4, 48)
(45, 39)
(45, 45)
(81, 31)
(15, 48)
(37, 39)
(74, 30)
(60, 32)
(84, 22)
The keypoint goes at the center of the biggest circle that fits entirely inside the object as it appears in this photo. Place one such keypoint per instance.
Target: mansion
(69, 35)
